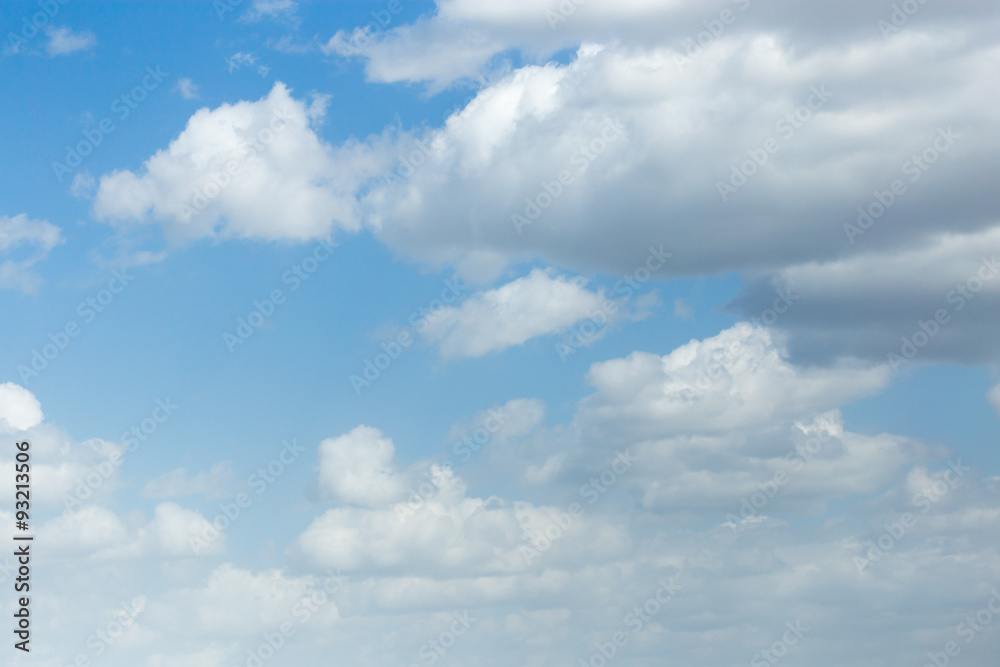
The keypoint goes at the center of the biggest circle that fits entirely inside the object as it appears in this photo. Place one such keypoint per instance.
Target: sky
(522, 334)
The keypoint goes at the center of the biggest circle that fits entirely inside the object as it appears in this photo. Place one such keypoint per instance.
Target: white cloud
(994, 398)
(248, 170)
(538, 304)
(187, 88)
(446, 535)
(242, 59)
(98, 531)
(84, 185)
(30, 240)
(235, 602)
(272, 9)
(63, 41)
(89, 529)
(409, 568)
(19, 409)
(357, 468)
(737, 379)
(515, 418)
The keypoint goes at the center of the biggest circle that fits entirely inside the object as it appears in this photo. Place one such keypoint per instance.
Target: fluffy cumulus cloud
(735, 379)
(717, 508)
(538, 304)
(19, 409)
(705, 501)
(95, 531)
(445, 535)
(358, 468)
(247, 170)
(72, 487)
(742, 152)
(748, 142)
(731, 487)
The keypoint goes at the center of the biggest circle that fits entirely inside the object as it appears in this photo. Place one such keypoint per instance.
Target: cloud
(447, 535)
(19, 409)
(234, 602)
(250, 170)
(271, 9)
(30, 241)
(63, 41)
(639, 139)
(737, 379)
(84, 185)
(942, 291)
(97, 531)
(538, 304)
(357, 468)
(187, 88)
(994, 398)
(426, 50)
(240, 59)
(410, 565)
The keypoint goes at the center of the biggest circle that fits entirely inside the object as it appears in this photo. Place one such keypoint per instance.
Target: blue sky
(231, 144)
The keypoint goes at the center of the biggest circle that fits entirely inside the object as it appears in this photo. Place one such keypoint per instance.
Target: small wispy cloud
(240, 59)
(682, 310)
(84, 185)
(187, 88)
(63, 41)
(271, 9)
